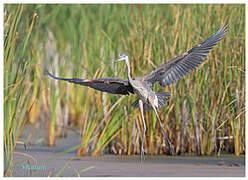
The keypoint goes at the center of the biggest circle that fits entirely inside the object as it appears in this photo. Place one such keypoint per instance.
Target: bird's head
(122, 57)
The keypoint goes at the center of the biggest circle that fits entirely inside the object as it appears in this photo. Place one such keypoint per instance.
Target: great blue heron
(166, 74)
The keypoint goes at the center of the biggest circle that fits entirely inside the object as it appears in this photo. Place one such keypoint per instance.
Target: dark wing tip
(190, 60)
(213, 40)
(46, 71)
(54, 77)
(223, 30)
(225, 26)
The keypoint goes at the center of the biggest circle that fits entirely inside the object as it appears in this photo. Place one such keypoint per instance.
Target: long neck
(128, 70)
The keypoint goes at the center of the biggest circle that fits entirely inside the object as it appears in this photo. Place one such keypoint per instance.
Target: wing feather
(180, 66)
(110, 85)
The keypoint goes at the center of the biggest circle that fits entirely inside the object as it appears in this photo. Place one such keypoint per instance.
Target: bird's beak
(118, 59)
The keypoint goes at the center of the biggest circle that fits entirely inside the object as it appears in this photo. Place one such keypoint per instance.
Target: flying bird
(168, 73)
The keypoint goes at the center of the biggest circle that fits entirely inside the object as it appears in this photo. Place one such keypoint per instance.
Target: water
(41, 160)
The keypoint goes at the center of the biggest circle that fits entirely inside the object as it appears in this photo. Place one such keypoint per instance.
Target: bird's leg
(166, 136)
(142, 152)
(161, 125)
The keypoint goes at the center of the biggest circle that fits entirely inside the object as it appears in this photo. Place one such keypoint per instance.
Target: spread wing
(180, 66)
(110, 85)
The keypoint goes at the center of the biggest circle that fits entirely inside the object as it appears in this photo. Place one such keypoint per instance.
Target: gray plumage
(166, 74)
(180, 66)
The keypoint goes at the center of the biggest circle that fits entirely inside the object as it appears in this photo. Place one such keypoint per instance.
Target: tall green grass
(80, 41)
(18, 83)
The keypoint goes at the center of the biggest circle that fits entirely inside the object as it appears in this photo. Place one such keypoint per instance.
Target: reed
(80, 41)
(17, 80)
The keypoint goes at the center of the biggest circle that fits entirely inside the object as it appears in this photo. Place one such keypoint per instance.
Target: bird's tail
(163, 97)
